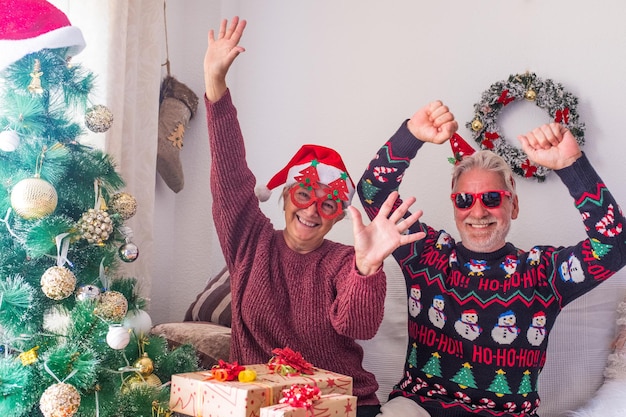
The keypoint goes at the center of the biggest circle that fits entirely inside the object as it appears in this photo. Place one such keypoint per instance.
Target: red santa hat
(32, 25)
(310, 166)
(460, 148)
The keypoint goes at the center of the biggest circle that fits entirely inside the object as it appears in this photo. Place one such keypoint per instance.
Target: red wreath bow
(528, 168)
(504, 98)
(489, 138)
(288, 363)
(562, 116)
(301, 396)
(225, 371)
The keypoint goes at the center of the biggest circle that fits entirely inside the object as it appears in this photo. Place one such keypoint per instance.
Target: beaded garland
(546, 94)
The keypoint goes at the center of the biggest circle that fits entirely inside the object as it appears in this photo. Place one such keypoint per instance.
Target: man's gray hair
(488, 161)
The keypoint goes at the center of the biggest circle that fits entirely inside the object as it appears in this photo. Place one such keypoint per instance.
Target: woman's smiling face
(305, 228)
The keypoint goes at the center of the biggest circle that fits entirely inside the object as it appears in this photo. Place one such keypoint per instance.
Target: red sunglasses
(489, 199)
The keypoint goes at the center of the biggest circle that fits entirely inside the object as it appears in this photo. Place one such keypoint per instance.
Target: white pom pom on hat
(262, 192)
(29, 26)
(330, 167)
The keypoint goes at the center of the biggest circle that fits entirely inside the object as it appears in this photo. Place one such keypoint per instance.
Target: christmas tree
(74, 333)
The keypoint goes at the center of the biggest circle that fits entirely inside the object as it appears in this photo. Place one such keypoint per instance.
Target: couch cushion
(579, 346)
(211, 341)
(213, 303)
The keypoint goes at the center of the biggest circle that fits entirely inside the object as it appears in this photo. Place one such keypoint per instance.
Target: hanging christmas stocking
(178, 105)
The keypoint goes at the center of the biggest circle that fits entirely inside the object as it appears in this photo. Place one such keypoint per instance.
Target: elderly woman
(292, 287)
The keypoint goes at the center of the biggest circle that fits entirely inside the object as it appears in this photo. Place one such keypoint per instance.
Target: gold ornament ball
(59, 400)
(144, 365)
(112, 306)
(123, 204)
(137, 381)
(98, 118)
(530, 95)
(95, 226)
(477, 125)
(58, 282)
(33, 198)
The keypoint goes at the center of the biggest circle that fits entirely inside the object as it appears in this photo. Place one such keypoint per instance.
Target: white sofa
(578, 348)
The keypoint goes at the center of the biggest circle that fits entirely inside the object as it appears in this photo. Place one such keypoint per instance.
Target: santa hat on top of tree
(32, 25)
(311, 166)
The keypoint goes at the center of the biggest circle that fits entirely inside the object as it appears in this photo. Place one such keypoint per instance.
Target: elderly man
(478, 341)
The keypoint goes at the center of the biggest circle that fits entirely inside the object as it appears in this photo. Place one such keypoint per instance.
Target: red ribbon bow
(301, 396)
(288, 362)
(225, 371)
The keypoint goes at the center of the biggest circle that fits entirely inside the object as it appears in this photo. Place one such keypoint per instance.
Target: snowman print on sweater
(467, 325)
(505, 331)
(537, 331)
(435, 313)
(415, 303)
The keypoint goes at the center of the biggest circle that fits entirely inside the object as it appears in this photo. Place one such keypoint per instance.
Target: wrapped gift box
(194, 394)
(331, 405)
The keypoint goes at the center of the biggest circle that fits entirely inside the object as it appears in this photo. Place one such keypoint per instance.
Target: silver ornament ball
(88, 292)
(129, 252)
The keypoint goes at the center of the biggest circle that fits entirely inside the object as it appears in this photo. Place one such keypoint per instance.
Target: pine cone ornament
(95, 226)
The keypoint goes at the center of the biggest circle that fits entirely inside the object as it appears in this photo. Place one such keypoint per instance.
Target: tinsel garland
(546, 94)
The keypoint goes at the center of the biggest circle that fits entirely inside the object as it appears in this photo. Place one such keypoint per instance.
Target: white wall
(346, 73)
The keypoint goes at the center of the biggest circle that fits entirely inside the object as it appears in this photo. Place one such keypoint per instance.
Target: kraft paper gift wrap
(195, 395)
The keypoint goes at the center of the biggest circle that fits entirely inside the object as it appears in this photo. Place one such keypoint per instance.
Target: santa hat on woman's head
(28, 26)
(310, 166)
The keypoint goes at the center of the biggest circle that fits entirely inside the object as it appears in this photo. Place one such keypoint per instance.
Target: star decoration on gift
(176, 137)
(348, 407)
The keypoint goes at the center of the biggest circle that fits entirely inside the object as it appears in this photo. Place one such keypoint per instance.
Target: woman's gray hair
(488, 161)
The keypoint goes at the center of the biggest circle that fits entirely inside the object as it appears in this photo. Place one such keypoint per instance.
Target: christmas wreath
(547, 95)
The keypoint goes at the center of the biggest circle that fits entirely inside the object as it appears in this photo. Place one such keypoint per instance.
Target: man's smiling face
(484, 229)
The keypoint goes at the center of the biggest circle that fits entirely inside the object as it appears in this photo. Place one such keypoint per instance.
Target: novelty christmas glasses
(327, 206)
(489, 199)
